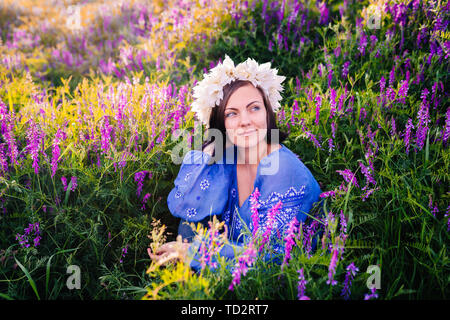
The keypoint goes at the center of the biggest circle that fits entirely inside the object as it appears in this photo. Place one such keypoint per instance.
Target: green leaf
(30, 279)
(5, 296)
(47, 272)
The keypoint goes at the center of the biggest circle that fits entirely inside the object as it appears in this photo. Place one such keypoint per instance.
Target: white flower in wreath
(208, 93)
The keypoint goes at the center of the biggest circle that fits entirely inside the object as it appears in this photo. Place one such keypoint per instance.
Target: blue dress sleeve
(201, 189)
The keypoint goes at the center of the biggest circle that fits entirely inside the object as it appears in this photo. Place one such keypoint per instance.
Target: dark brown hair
(217, 118)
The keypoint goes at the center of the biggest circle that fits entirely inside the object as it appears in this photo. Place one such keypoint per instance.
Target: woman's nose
(245, 118)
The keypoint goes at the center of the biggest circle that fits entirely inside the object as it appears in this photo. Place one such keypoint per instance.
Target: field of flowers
(94, 95)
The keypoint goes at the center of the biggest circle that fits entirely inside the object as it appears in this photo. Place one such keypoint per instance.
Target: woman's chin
(248, 142)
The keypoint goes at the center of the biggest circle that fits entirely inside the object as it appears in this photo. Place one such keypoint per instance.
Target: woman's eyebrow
(231, 108)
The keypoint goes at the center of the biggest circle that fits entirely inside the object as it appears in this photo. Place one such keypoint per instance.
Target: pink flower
(64, 183)
(332, 267)
(73, 180)
(289, 239)
(318, 105)
(301, 286)
(269, 224)
(348, 176)
(327, 194)
(56, 151)
(245, 261)
(254, 210)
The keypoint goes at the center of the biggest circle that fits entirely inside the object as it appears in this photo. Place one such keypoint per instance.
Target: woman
(238, 103)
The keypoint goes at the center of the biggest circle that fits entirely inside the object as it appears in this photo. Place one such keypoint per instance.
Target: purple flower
(105, 138)
(382, 88)
(245, 261)
(124, 253)
(351, 272)
(348, 176)
(313, 138)
(332, 267)
(362, 44)
(210, 245)
(254, 210)
(56, 151)
(434, 209)
(424, 118)
(373, 295)
(73, 180)
(403, 91)
(301, 286)
(345, 69)
(30, 232)
(330, 76)
(446, 130)
(330, 145)
(308, 234)
(12, 146)
(447, 215)
(366, 172)
(368, 193)
(332, 103)
(269, 224)
(362, 114)
(139, 178)
(144, 200)
(33, 138)
(343, 221)
(64, 183)
(393, 128)
(3, 160)
(324, 13)
(289, 239)
(407, 134)
(337, 51)
(318, 105)
(327, 194)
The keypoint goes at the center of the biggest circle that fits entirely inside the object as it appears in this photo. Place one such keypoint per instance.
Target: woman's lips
(247, 133)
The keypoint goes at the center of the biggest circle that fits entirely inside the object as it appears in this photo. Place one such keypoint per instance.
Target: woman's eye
(256, 108)
(228, 115)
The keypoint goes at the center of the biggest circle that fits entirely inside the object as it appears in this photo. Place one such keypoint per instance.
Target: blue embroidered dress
(202, 190)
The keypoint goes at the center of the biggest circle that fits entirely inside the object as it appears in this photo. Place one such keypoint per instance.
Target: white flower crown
(209, 92)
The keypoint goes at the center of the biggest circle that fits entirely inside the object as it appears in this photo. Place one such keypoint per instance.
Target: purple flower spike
(73, 180)
(290, 241)
(244, 263)
(301, 285)
(348, 176)
(254, 210)
(349, 276)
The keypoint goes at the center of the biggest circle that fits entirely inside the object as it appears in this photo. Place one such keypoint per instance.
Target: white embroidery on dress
(186, 177)
(290, 195)
(286, 213)
(204, 184)
(191, 212)
(178, 194)
(226, 217)
(233, 192)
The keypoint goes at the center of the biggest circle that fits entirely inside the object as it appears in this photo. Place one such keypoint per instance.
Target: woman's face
(245, 117)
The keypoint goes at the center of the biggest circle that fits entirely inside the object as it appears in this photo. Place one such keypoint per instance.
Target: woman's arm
(201, 190)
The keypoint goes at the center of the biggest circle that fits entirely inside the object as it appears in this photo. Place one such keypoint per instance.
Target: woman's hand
(170, 251)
